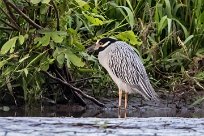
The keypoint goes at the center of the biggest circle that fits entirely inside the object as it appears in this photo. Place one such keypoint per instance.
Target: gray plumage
(126, 69)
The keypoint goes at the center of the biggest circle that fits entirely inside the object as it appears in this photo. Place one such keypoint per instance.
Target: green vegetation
(41, 36)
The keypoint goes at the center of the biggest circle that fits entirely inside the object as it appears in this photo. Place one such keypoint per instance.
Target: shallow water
(78, 111)
(136, 108)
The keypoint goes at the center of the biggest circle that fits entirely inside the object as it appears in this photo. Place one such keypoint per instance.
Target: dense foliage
(51, 36)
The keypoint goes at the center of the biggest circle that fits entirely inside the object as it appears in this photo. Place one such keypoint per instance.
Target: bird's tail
(146, 90)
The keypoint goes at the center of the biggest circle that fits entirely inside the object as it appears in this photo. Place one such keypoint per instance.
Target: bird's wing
(126, 65)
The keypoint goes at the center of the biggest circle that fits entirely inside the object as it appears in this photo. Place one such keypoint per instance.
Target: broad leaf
(61, 58)
(130, 37)
(35, 1)
(83, 4)
(46, 1)
(162, 24)
(45, 63)
(94, 21)
(129, 17)
(45, 40)
(56, 38)
(2, 63)
(8, 45)
(75, 60)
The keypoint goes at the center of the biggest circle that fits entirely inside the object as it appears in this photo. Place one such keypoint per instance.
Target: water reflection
(78, 111)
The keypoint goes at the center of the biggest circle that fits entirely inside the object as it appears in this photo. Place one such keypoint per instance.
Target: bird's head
(101, 44)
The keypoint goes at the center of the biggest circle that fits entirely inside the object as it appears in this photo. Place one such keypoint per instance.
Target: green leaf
(45, 63)
(95, 21)
(8, 70)
(35, 1)
(201, 18)
(130, 37)
(9, 45)
(26, 36)
(89, 57)
(46, 1)
(25, 70)
(162, 24)
(129, 4)
(56, 38)
(129, 17)
(177, 7)
(75, 60)
(45, 40)
(156, 14)
(24, 58)
(79, 45)
(169, 25)
(182, 26)
(168, 8)
(83, 4)
(61, 58)
(200, 76)
(36, 59)
(21, 39)
(2, 63)
(188, 39)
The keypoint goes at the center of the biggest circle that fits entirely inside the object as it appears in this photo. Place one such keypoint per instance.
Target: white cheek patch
(106, 44)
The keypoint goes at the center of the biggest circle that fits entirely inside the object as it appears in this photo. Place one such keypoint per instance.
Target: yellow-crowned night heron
(125, 68)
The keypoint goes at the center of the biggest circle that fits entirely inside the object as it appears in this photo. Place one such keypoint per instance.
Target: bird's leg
(126, 99)
(119, 113)
(120, 97)
(119, 103)
(125, 114)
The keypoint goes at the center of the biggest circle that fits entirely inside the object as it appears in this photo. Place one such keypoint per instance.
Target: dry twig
(75, 89)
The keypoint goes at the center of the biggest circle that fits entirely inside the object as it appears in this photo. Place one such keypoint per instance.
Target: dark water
(78, 111)
(136, 108)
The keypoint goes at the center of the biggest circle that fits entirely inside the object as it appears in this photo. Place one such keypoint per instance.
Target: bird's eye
(100, 43)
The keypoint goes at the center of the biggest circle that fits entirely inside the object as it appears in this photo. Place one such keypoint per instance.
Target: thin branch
(8, 24)
(6, 28)
(57, 72)
(9, 10)
(56, 13)
(67, 73)
(24, 16)
(10, 19)
(84, 79)
(75, 89)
